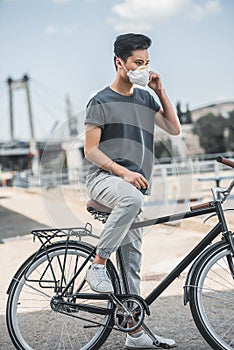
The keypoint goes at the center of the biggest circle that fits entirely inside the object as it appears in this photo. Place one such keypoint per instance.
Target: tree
(230, 132)
(184, 117)
(163, 149)
(211, 131)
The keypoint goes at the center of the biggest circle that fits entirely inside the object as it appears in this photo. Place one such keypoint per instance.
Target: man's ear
(118, 62)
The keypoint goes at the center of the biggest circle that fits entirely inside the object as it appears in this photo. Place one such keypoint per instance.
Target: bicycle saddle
(98, 210)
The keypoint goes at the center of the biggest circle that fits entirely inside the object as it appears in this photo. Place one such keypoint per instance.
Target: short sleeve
(95, 113)
(147, 99)
(154, 105)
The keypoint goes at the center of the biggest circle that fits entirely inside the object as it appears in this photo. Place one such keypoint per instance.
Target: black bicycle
(49, 290)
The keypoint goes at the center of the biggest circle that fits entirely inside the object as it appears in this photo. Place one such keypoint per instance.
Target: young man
(119, 143)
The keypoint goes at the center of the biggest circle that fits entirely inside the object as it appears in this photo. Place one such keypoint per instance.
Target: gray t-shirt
(127, 124)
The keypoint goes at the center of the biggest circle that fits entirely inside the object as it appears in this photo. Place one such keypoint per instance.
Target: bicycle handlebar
(225, 161)
(225, 192)
(201, 206)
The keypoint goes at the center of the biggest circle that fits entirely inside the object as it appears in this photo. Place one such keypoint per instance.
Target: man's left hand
(155, 82)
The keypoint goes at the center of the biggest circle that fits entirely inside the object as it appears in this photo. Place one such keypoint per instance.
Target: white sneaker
(145, 342)
(98, 280)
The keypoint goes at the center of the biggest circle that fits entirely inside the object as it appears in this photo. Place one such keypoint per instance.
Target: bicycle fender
(193, 268)
(23, 266)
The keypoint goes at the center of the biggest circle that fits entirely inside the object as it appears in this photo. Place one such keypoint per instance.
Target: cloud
(141, 15)
(51, 30)
(210, 7)
(66, 29)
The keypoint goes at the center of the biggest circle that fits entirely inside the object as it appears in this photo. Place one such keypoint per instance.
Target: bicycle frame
(51, 281)
(221, 226)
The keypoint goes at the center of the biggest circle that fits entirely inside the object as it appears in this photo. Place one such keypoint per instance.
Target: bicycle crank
(129, 314)
(153, 338)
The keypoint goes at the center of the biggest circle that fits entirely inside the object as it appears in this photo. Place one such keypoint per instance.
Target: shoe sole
(98, 291)
(159, 347)
(131, 348)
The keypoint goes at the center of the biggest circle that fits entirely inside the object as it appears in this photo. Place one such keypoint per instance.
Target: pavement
(163, 246)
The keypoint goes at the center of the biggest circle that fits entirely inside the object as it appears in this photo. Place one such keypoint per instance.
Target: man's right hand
(136, 179)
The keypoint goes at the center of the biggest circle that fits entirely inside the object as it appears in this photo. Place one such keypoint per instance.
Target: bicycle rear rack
(46, 236)
(50, 236)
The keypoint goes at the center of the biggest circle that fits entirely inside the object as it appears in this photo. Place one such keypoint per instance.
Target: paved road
(169, 318)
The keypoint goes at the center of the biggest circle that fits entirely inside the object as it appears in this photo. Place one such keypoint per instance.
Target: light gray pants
(126, 203)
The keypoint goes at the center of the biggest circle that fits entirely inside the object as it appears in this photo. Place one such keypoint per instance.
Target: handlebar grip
(201, 206)
(225, 161)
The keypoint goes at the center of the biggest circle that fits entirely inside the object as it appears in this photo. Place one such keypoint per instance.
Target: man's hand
(136, 180)
(155, 82)
(166, 118)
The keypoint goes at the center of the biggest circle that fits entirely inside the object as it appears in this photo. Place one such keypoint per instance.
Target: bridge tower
(13, 85)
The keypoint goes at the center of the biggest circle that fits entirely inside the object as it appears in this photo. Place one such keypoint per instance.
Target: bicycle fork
(229, 238)
(226, 235)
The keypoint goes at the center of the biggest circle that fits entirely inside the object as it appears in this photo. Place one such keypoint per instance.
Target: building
(217, 108)
(190, 138)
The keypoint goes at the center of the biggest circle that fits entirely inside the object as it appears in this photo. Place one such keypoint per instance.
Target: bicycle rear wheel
(212, 297)
(32, 320)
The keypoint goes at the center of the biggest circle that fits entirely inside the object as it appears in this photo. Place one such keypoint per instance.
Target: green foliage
(216, 133)
(184, 117)
(230, 136)
(163, 149)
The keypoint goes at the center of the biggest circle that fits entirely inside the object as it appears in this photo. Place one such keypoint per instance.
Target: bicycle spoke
(212, 299)
(222, 279)
(37, 290)
(60, 325)
(216, 298)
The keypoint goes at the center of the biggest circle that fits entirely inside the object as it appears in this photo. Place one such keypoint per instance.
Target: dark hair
(126, 43)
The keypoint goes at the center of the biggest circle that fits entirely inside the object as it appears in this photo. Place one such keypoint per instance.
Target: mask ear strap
(123, 64)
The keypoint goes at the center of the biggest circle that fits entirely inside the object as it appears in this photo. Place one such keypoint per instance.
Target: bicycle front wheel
(212, 297)
(33, 321)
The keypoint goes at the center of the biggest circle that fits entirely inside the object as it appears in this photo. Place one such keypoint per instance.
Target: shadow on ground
(13, 224)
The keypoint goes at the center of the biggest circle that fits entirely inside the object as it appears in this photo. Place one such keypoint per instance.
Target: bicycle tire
(212, 296)
(31, 321)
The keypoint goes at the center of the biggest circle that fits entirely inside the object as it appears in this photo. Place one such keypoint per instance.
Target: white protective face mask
(139, 76)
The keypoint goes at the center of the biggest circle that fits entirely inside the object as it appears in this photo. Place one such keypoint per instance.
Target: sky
(66, 48)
